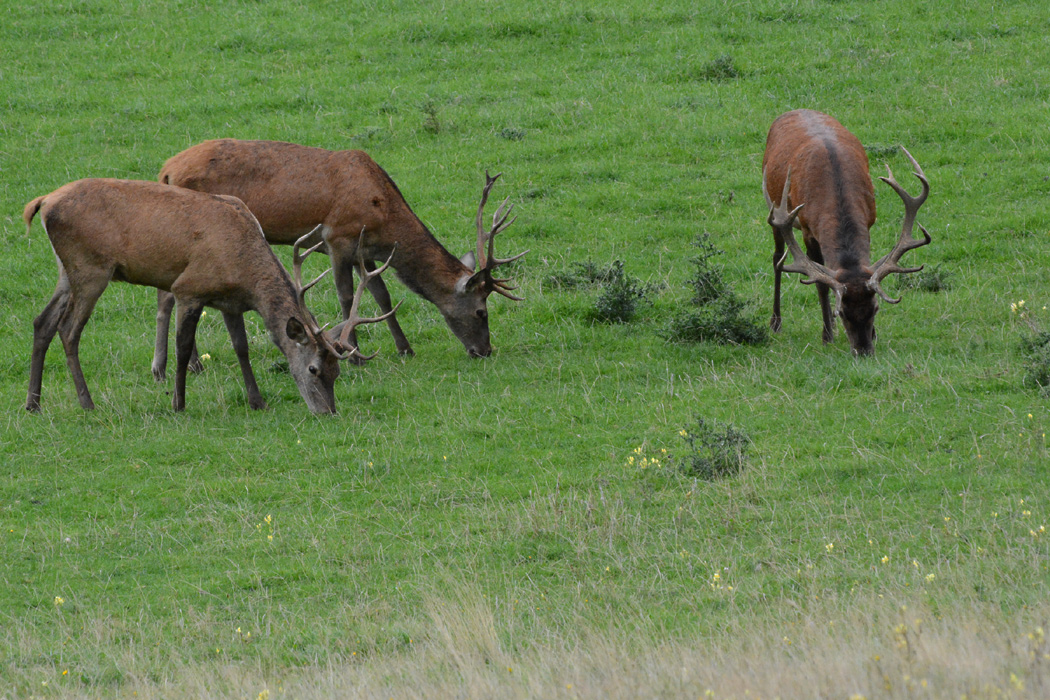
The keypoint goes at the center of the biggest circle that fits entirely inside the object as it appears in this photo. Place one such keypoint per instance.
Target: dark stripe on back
(847, 230)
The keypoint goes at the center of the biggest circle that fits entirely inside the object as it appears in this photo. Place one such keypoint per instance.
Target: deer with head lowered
(205, 250)
(291, 189)
(821, 172)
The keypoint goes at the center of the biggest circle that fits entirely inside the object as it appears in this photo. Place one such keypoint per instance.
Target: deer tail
(30, 211)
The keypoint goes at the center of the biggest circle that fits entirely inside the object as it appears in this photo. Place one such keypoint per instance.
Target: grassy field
(479, 527)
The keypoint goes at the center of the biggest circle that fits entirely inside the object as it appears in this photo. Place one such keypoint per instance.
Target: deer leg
(778, 254)
(379, 292)
(165, 304)
(344, 285)
(235, 326)
(78, 311)
(187, 314)
(44, 328)
(828, 334)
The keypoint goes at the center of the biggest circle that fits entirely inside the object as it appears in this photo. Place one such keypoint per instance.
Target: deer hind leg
(187, 314)
(84, 294)
(235, 326)
(44, 328)
(165, 305)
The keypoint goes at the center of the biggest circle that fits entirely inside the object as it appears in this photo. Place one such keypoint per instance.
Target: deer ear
(473, 283)
(469, 260)
(296, 331)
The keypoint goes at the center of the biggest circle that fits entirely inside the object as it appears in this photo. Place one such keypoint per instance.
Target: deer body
(821, 169)
(292, 188)
(205, 250)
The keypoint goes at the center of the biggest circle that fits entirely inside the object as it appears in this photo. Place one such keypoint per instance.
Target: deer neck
(426, 267)
(276, 302)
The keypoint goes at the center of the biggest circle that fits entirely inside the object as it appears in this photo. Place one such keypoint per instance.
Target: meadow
(485, 528)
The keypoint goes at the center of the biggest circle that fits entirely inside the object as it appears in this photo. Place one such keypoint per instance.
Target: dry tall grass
(864, 649)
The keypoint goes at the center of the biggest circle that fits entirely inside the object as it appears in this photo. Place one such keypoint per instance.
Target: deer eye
(313, 370)
(483, 314)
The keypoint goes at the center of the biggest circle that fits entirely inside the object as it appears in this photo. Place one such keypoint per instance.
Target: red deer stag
(206, 250)
(291, 189)
(822, 170)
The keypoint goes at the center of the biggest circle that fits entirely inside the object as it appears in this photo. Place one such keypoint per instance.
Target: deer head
(313, 360)
(467, 315)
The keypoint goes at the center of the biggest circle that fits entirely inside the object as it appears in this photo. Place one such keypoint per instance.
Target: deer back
(829, 174)
(151, 235)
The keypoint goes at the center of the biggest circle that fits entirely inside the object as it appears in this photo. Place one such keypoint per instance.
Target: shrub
(721, 317)
(1035, 350)
(929, 279)
(586, 274)
(621, 296)
(707, 281)
(716, 449)
(719, 70)
(724, 321)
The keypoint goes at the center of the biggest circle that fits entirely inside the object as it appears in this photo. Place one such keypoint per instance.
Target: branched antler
(342, 331)
(297, 269)
(782, 220)
(888, 264)
(501, 220)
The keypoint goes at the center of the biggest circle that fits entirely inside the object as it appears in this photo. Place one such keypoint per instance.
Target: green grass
(509, 476)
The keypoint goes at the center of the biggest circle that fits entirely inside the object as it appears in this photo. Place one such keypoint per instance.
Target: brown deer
(822, 170)
(291, 189)
(205, 250)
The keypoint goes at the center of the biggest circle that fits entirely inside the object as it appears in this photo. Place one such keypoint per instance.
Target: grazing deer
(291, 189)
(205, 250)
(822, 170)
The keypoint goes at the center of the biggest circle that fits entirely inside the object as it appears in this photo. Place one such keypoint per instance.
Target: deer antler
(342, 331)
(783, 220)
(888, 263)
(487, 263)
(297, 269)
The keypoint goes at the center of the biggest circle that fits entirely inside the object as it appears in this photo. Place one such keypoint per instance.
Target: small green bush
(586, 274)
(1035, 350)
(621, 297)
(715, 450)
(928, 279)
(724, 321)
(721, 317)
(512, 134)
(719, 70)
(707, 281)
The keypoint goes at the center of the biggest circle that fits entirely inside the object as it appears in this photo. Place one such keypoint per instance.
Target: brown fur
(829, 176)
(292, 188)
(204, 249)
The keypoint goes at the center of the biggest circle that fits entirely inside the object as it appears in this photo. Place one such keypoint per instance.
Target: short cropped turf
(547, 485)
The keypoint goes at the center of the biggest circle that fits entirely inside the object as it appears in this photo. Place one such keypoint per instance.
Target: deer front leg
(235, 326)
(165, 305)
(188, 313)
(778, 255)
(377, 288)
(828, 334)
(343, 271)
